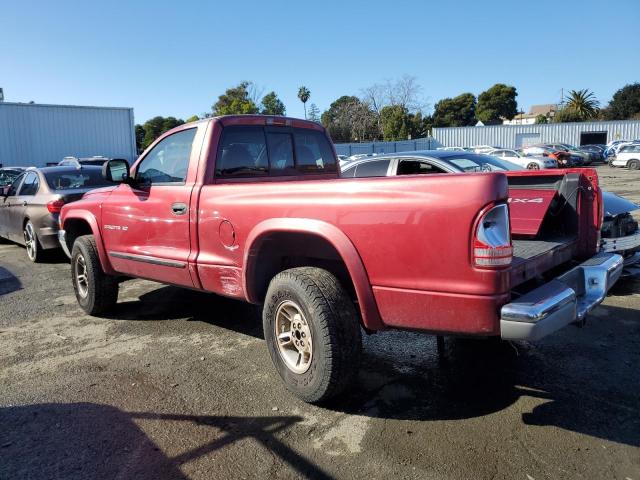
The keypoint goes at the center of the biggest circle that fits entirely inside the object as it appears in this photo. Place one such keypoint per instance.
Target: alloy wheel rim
(293, 337)
(81, 276)
(30, 241)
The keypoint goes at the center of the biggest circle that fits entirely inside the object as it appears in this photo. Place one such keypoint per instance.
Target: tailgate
(555, 218)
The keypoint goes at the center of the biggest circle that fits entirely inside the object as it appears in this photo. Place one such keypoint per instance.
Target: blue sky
(175, 58)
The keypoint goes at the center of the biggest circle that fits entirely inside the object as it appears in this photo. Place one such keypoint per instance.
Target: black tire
(35, 253)
(634, 164)
(331, 319)
(100, 291)
(533, 166)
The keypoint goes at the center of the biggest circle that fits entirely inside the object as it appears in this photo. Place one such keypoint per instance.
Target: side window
(13, 190)
(168, 162)
(242, 152)
(417, 167)
(376, 168)
(30, 184)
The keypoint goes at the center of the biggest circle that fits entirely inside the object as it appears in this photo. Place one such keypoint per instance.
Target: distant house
(548, 110)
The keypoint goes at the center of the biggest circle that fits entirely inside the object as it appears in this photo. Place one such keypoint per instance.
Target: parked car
(7, 176)
(628, 156)
(74, 161)
(620, 233)
(585, 158)
(563, 158)
(530, 162)
(426, 162)
(596, 151)
(326, 256)
(483, 148)
(29, 209)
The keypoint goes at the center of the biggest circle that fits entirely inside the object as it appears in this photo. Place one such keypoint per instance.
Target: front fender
(90, 219)
(347, 251)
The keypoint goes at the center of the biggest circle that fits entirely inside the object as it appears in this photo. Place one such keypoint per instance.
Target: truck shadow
(586, 389)
(8, 282)
(87, 440)
(171, 303)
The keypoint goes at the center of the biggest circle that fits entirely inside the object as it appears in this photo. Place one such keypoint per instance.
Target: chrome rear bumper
(62, 239)
(564, 300)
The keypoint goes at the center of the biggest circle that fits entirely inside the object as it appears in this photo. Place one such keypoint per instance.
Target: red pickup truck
(253, 207)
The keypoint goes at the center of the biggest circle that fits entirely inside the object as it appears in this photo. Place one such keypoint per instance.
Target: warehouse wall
(35, 134)
(515, 136)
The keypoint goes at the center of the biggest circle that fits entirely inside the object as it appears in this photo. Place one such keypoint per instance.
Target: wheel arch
(263, 259)
(82, 222)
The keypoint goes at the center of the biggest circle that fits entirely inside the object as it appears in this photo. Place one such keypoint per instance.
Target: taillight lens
(55, 206)
(492, 241)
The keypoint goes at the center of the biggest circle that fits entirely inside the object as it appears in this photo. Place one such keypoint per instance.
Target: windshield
(481, 163)
(8, 176)
(73, 179)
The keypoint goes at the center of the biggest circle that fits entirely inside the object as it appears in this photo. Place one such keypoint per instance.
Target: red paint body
(405, 241)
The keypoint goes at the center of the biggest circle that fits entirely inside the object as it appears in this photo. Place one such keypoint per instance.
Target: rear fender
(347, 251)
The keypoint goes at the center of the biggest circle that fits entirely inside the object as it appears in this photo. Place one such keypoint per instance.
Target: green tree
(566, 115)
(337, 119)
(303, 94)
(497, 103)
(272, 105)
(455, 112)
(625, 103)
(314, 113)
(395, 124)
(542, 119)
(582, 103)
(192, 118)
(139, 129)
(235, 100)
(156, 126)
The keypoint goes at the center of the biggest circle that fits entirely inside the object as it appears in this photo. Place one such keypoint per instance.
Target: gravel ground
(178, 384)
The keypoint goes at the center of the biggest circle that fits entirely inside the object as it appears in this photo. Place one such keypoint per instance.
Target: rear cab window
(255, 151)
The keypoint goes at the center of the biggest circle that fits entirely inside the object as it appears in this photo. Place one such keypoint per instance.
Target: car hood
(615, 204)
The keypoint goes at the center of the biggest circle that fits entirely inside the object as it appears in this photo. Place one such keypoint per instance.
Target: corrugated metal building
(38, 134)
(517, 136)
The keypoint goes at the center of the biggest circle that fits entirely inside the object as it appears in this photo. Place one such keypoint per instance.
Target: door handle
(179, 208)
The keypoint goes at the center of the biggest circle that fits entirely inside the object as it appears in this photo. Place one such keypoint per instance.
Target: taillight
(55, 206)
(492, 240)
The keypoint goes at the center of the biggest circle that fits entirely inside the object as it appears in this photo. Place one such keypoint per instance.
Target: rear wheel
(32, 244)
(634, 164)
(533, 166)
(95, 291)
(312, 333)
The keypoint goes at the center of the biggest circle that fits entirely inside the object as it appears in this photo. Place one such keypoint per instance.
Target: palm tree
(303, 95)
(583, 103)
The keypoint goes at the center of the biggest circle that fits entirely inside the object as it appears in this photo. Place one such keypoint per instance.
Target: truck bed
(533, 257)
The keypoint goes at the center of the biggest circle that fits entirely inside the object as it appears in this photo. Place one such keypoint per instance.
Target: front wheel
(95, 291)
(533, 166)
(312, 333)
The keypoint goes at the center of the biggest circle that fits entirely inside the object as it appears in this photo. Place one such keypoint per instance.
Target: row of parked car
(31, 200)
(33, 197)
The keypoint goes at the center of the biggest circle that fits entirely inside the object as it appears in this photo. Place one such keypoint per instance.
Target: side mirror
(116, 170)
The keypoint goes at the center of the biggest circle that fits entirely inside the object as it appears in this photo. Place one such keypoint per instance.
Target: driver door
(145, 226)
